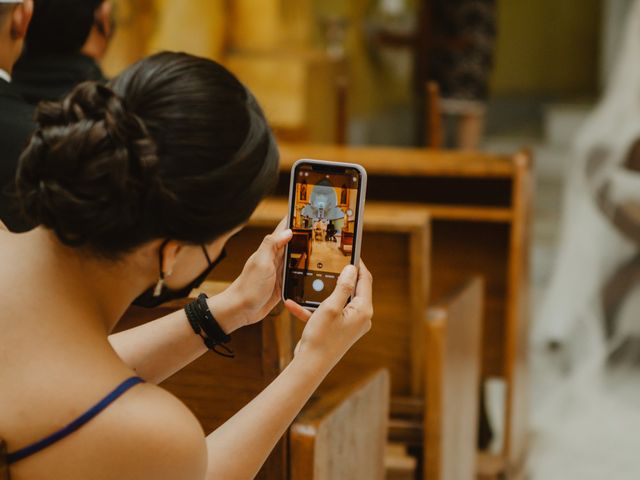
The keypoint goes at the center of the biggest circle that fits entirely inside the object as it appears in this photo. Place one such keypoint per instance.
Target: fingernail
(349, 272)
(286, 233)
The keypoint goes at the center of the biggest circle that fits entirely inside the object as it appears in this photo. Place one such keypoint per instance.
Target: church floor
(327, 256)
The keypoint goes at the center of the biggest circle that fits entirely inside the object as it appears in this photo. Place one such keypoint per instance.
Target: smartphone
(326, 205)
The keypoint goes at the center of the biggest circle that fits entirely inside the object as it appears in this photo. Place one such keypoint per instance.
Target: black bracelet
(206, 326)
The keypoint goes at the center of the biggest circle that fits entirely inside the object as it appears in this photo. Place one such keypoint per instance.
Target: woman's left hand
(259, 286)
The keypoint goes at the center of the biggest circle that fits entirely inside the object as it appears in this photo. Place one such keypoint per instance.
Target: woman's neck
(103, 289)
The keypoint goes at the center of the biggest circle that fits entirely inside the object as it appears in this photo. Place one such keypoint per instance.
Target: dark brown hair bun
(173, 148)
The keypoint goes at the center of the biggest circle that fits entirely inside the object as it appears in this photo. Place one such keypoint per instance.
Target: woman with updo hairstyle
(134, 188)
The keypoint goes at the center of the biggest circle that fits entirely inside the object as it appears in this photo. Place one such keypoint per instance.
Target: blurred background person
(16, 122)
(461, 63)
(592, 280)
(65, 42)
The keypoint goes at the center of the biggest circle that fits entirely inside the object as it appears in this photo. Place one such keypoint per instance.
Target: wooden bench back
(334, 438)
(395, 247)
(452, 337)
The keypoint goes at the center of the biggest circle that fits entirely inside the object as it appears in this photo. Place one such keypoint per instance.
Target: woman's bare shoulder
(154, 435)
(146, 434)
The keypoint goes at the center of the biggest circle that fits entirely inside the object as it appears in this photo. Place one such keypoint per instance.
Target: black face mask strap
(158, 290)
(213, 264)
(206, 254)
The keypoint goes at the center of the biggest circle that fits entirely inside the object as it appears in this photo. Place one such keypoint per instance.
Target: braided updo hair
(175, 147)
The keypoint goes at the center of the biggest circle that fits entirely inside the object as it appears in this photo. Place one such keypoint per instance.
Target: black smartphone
(326, 205)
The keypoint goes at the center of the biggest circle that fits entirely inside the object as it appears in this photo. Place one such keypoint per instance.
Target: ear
(21, 19)
(103, 18)
(170, 252)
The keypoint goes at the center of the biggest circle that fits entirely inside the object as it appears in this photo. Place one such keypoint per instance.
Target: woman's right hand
(333, 328)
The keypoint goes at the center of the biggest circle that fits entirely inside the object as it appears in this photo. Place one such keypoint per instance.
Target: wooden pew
(327, 441)
(215, 388)
(452, 333)
(396, 248)
(480, 206)
(342, 431)
(452, 338)
(434, 132)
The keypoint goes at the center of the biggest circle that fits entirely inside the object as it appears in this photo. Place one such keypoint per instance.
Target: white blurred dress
(591, 247)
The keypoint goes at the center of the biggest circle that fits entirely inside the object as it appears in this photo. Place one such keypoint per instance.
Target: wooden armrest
(342, 433)
(453, 334)
(490, 466)
(407, 407)
(406, 423)
(406, 431)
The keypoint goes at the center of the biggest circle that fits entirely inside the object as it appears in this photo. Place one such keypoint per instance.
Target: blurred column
(198, 27)
(135, 21)
(614, 20)
(271, 25)
(256, 25)
(298, 16)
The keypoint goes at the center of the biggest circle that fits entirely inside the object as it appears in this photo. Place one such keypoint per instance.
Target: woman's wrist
(314, 362)
(227, 308)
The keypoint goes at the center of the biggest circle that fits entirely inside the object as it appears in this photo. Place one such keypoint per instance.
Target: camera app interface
(324, 228)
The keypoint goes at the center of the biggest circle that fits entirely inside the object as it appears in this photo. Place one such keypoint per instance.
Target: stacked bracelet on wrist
(204, 324)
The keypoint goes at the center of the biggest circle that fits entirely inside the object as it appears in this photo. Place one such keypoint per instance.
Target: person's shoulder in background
(51, 77)
(16, 126)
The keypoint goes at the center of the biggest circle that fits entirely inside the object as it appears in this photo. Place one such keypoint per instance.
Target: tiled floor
(586, 425)
(329, 256)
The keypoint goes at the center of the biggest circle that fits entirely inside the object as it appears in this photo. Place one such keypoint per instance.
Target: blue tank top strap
(75, 425)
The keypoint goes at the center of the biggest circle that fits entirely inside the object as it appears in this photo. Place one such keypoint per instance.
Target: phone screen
(324, 219)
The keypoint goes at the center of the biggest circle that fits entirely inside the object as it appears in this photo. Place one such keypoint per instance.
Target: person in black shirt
(65, 41)
(16, 115)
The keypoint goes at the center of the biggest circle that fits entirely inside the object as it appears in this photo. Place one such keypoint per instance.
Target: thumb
(283, 237)
(297, 311)
(273, 242)
(281, 234)
(344, 289)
